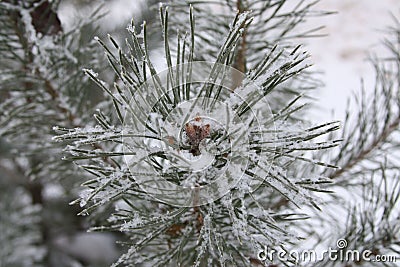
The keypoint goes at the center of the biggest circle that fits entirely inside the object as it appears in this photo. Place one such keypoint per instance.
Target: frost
(140, 35)
(130, 28)
(133, 223)
(84, 196)
(91, 72)
(27, 20)
(173, 145)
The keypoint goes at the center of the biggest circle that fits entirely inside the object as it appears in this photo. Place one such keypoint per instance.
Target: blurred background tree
(42, 85)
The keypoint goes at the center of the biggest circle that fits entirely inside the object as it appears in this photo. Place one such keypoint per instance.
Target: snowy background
(353, 33)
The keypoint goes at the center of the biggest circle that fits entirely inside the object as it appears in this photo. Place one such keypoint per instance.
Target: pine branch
(39, 77)
(240, 58)
(366, 152)
(274, 23)
(373, 223)
(379, 115)
(368, 183)
(21, 234)
(171, 127)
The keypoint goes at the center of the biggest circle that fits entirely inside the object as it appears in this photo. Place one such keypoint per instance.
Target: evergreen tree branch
(39, 79)
(379, 115)
(198, 232)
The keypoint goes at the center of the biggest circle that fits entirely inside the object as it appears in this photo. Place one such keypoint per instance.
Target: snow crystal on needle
(91, 72)
(134, 222)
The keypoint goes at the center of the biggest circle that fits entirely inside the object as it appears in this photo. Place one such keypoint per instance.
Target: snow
(118, 12)
(354, 32)
(134, 222)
